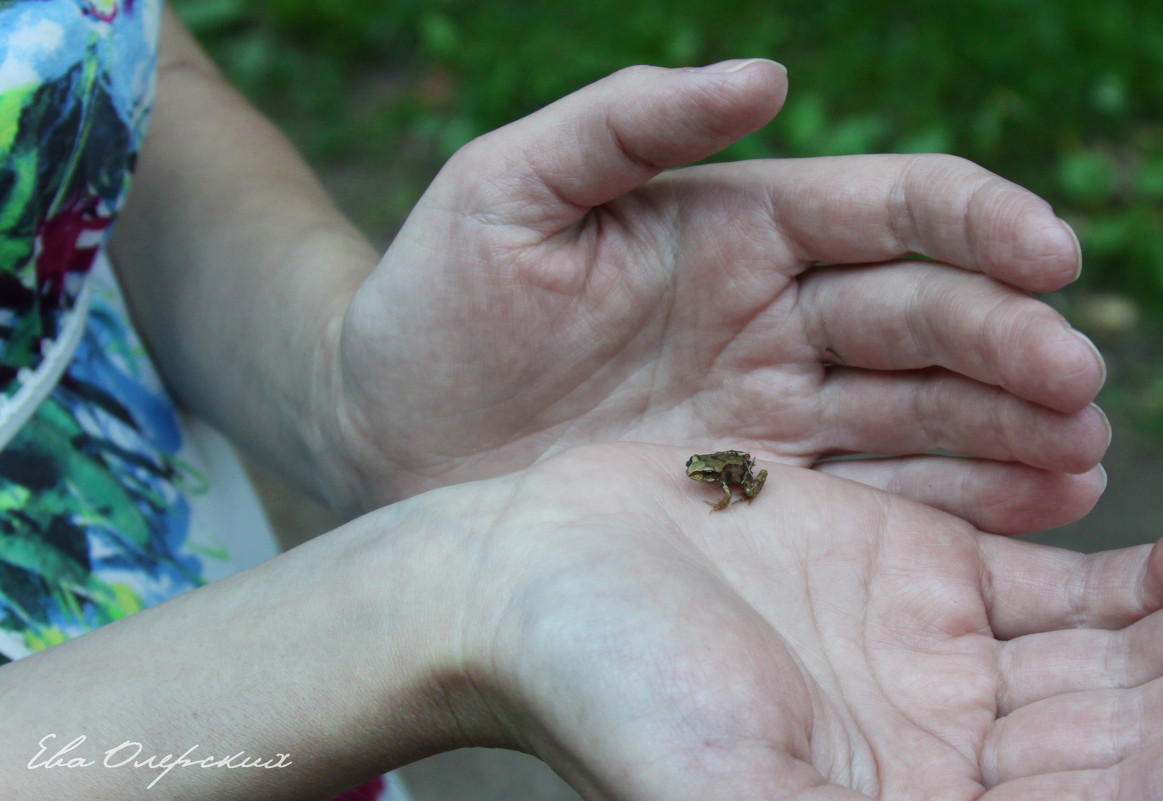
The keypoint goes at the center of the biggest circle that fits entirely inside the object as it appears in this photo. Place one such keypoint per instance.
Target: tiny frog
(727, 469)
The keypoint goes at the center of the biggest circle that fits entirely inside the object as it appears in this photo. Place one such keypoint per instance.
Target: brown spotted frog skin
(727, 469)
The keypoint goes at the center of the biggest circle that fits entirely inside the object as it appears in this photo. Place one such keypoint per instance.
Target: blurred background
(1062, 97)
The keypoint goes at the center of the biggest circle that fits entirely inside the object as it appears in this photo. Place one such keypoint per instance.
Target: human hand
(549, 290)
(826, 641)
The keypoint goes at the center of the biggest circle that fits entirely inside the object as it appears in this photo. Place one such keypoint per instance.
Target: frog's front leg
(723, 502)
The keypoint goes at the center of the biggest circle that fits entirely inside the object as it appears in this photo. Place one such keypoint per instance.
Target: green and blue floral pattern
(94, 496)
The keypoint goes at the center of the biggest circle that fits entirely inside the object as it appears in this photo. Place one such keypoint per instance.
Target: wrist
(438, 646)
(321, 400)
(393, 584)
(362, 443)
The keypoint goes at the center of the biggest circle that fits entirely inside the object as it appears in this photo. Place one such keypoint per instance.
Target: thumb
(547, 170)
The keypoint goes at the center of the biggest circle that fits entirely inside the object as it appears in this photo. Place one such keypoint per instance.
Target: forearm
(237, 265)
(331, 655)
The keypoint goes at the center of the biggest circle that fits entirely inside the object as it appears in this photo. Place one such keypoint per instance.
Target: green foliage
(1062, 97)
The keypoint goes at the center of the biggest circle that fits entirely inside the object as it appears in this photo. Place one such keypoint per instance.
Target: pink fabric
(375, 790)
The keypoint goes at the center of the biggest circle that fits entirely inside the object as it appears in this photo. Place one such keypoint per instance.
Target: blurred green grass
(1065, 98)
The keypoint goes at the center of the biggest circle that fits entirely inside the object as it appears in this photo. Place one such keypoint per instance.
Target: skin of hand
(555, 287)
(827, 641)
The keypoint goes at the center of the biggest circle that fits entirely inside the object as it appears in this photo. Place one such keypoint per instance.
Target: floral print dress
(110, 499)
(95, 497)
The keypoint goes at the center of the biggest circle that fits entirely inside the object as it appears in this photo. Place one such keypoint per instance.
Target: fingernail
(1102, 472)
(1077, 247)
(737, 64)
(1110, 432)
(1097, 353)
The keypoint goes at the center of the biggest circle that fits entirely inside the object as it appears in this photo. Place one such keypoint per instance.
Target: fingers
(547, 170)
(1136, 779)
(1074, 701)
(1075, 732)
(914, 315)
(1031, 588)
(878, 208)
(1040, 666)
(923, 411)
(999, 497)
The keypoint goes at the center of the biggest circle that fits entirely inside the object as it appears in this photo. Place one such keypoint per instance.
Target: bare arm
(236, 263)
(318, 661)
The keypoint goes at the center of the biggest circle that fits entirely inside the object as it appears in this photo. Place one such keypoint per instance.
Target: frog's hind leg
(723, 502)
(753, 488)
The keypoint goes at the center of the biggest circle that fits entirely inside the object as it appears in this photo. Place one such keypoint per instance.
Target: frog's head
(700, 469)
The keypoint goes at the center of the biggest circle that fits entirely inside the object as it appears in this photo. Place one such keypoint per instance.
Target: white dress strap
(35, 385)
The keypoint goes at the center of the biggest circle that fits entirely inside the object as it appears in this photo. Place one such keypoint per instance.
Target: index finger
(856, 209)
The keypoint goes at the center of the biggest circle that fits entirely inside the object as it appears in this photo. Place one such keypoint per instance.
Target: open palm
(552, 288)
(826, 641)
